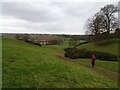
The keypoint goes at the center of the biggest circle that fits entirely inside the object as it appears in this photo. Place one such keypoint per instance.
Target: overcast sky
(48, 17)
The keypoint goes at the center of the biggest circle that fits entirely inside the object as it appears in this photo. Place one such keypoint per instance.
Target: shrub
(75, 53)
(33, 43)
(83, 43)
(72, 53)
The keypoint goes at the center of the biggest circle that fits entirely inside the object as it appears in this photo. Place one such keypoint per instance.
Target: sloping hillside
(32, 66)
(111, 47)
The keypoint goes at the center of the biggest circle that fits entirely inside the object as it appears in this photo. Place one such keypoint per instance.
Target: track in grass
(103, 71)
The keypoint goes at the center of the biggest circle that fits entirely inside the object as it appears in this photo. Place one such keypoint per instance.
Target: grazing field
(27, 65)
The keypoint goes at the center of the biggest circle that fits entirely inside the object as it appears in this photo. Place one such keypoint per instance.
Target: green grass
(113, 66)
(103, 46)
(32, 66)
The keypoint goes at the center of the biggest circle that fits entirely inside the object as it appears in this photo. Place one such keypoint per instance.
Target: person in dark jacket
(93, 60)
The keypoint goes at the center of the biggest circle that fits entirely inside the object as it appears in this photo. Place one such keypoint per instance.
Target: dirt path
(102, 71)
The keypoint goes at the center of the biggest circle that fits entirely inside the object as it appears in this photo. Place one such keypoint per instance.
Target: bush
(83, 43)
(33, 43)
(36, 43)
(75, 53)
(105, 56)
(72, 53)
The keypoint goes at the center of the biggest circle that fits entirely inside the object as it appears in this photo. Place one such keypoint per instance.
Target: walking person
(93, 60)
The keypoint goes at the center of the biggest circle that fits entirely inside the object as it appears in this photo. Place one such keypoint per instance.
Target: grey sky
(47, 17)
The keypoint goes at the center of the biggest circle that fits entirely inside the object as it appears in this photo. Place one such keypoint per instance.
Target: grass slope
(32, 66)
(111, 47)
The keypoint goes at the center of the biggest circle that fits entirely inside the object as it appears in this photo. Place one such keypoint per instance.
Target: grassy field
(103, 46)
(30, 66)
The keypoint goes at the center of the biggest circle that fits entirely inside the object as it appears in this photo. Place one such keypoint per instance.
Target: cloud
(28, 12)
(47, 17)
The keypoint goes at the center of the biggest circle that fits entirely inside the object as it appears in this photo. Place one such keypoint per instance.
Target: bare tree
(95, 25)
(110, 21)
(17, 36)
(102, 23)
(25, 37)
